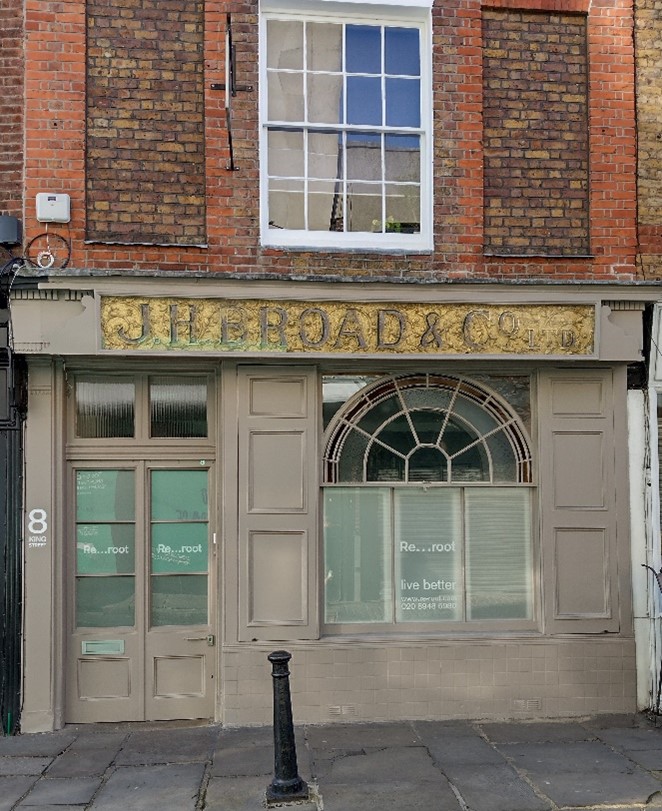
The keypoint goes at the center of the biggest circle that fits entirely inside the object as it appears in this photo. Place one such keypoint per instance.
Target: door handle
(210, 639)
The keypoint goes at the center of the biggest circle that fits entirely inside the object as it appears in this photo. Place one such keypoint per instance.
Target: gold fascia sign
(334, 327)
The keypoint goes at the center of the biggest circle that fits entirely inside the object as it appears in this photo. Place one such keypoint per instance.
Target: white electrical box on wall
(53, 207)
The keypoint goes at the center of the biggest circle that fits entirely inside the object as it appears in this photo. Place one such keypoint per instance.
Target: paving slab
(536, 732)
(12, 789)
(633, 738)
(408, 797)
(649, 759)
(495, 788)
(547, 758)
(447, 748)
(151, 788)
(24, 765)
(362, 736)
(385, 766)
(244, 762)
(83, 762)
(48, 744)
(578, 789)
(61, 791)
(243, 794)
(168, 746)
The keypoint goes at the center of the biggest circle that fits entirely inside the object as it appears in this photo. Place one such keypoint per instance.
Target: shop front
(425, 500)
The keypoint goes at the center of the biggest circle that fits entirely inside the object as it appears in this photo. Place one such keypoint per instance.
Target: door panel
(143, 644)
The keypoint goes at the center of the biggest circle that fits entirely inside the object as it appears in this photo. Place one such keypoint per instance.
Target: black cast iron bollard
(286, 785)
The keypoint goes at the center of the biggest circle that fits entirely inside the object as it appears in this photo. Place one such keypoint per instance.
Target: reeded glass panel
(105, 495)
(178, 406)
(428, 555)
(104, 408)
(104, 602)
(105, 548)
(357, 555)
(352, 457)
(179, 547)
(179, 600)
(499, 557)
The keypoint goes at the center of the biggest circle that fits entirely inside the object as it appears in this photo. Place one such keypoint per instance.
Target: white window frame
(414, 13)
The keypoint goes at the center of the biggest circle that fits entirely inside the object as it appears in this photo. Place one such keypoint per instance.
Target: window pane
(286, 153)
(384, 465)
(504, 464)
(357, 556)
(397, 435)
(499, 560)
(363, 44)
(105, 548)
(364, 100)
(427, 465)
(324, 93)
(179, 547)
(178, 406)
(364, 206)
(403, 209)
(324, 46)
(104, 409)
(325, 154)
(286, 206)
(337, 390)
(179, 495)
(402, 158)
(103, 602)
(364, 156)
(104, 495)
(471, 465)
(403, 105)
(401, 50)
(427, 425)
(285, 96)
(322, 197)
(352, 457)
(179, 600)
(285, 44)
(428, 555)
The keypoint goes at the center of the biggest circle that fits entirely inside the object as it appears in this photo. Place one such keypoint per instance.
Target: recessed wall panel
(277, 577)
(276, 472)
(104, 678)
(581, 564)
(271, 397)
(578, 470)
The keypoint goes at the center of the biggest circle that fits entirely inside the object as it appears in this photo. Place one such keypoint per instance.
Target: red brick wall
(145, 122)
(11, 107)
(56, 158)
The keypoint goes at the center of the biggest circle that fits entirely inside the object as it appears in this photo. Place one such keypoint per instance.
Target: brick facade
(145, 122)
(649, 128)
(11, 107)
(535, 113)
(56, 154)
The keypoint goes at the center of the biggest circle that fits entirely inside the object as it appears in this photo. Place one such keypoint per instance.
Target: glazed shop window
(345, 133)
(427, 502)
(106, 406)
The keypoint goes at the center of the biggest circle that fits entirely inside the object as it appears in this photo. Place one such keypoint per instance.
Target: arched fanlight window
(426, 428)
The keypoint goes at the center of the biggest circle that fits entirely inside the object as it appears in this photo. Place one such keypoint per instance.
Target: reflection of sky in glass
(363, 54)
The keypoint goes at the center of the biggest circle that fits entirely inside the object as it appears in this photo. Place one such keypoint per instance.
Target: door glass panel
(105, 495)
(105, 549)
(179, 547)
(179, 495)
(178, 406)
(104, 408)
(104, 602)
(179, 600)
(105, 546)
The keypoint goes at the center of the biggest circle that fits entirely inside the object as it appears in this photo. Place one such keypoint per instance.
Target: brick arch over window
(427, 428)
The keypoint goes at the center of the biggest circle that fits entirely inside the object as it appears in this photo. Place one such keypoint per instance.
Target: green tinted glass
(179, 547)
(104, 602)
(105, 495)
(179, 495)
(179, 600)
(105, 549)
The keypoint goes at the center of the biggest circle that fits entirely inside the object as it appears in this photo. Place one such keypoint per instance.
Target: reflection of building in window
(343, 128)
(426, 504)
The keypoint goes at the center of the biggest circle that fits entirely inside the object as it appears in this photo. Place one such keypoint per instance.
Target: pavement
(611, 763)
